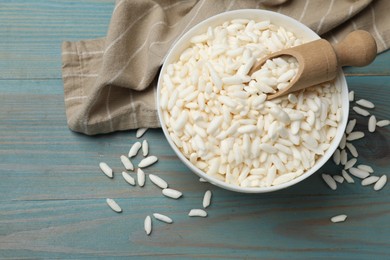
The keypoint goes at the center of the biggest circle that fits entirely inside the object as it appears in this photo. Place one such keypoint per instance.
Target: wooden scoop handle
(357, 49)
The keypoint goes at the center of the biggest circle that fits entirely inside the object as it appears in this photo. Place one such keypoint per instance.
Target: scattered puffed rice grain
(171, 193)
(127, 163)
(207, 199)
(343, 141)
(365, 103)
(338, 178)
(361, 111)
(147, 161)
(140, 177)
(338, 218)
(336, 157)
(162, 218)
(330, 181)
(140, 132)
(365, 168)
(197, 213)
(148, 225)
(129, 179)
(134, 149)
(380, 183)
(372, 124)
(145, 148)
(351, 96)
(158, 181)
(350, 126)
(347, 177)
(113, 205)
(350, 163)
(370, 180)
(343, 157)
(106, 169)
(358, 173)
(355, 136)
(383, 123)
(352, 149)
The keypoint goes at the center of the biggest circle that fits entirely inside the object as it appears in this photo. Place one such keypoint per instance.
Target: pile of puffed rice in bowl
(217, 119)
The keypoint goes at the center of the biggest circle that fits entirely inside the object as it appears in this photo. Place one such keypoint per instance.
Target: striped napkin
(110, 83)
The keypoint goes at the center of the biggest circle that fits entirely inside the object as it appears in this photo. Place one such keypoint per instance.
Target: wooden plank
(237, 227)
(52, 202)
(32, 32)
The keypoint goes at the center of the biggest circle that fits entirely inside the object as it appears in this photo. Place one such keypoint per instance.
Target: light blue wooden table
(52, 193)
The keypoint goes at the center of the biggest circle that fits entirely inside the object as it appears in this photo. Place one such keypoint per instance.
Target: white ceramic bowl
(301, 31)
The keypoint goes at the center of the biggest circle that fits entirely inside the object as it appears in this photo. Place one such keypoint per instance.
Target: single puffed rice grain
(145, 148)
(343, 141)
(350, 163)
(351, 96)
(338, 178)
(207, 199)
(383, 123)
(329, 181)
(181, 121)
(140, 177)
(355, 136)
(338, 218)
(284, 178)
(292, 98)
(197, 213)
(358, 173)
(361, 111)
(372, 124)
(199, 38)
(287, 76)
(162, 218)
(106, 169)
(127, 163)
(147, 161)
(366, 168)
(380, 183)
(347, 177)
(148, 225)
(247, 129)
(369, 180)
(158, 181)
(134, 149)
(343, 157)
(350, 126)
(352, 149)
(171, 193)
(365, 103)
(214, 124)
(140, 132)
(129, 179)
(113, 205)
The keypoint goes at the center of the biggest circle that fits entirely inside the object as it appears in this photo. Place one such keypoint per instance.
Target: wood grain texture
(31, 33)
(52, 192)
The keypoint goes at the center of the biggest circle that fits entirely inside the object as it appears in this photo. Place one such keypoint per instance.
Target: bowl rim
(289, 23)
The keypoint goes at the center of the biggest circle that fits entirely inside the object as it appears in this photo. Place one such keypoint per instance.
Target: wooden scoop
(319, 61)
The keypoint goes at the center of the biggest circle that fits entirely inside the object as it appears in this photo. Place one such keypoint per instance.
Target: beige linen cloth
(110, 83)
